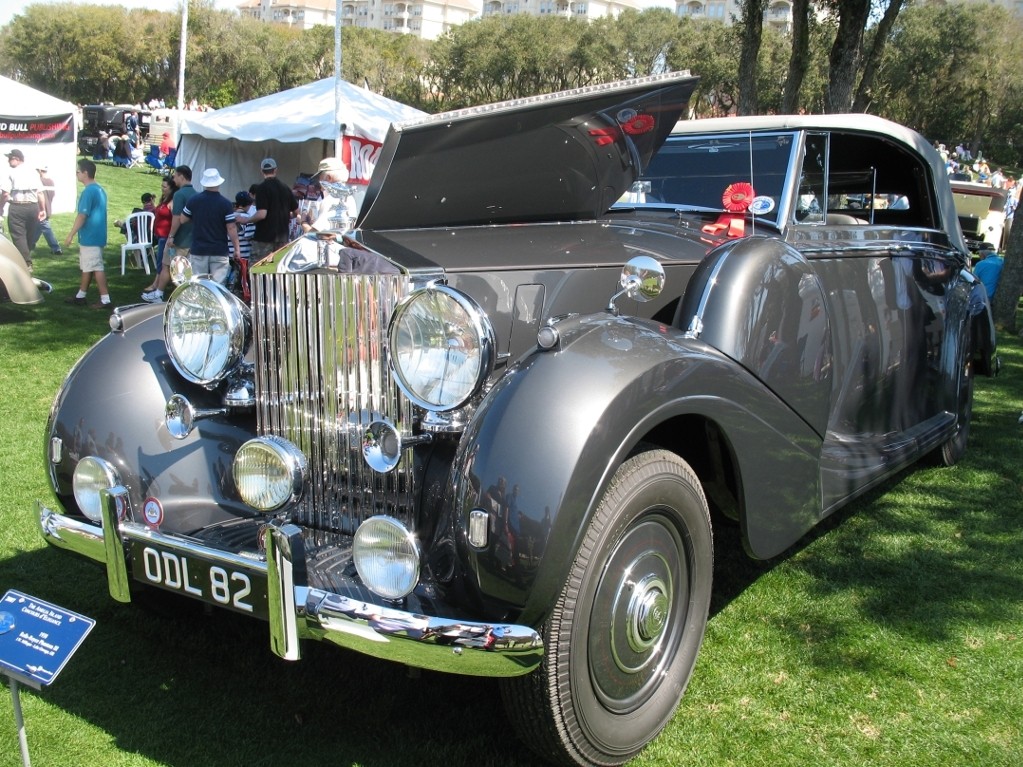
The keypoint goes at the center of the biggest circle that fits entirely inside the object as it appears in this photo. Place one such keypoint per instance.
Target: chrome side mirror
(642, 280)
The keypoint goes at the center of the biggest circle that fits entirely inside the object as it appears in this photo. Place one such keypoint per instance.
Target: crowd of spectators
(960, 164)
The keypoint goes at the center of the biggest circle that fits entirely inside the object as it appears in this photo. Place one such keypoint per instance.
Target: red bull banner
(37, 130)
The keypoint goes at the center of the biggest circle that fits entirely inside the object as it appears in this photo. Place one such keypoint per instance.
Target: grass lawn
(892, 636)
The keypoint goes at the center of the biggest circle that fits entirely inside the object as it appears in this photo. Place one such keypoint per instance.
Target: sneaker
(75, 300)
(107, 307)
(153, 297)
(57, 252)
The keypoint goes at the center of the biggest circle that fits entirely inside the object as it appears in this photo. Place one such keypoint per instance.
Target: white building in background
(777, 16)
(428, 19)
(579, 9)
(299, 14)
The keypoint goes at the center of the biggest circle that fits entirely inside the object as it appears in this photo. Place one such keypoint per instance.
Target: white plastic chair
(139, 231)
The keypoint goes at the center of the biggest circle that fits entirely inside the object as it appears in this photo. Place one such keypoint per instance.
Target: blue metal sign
(37, 638)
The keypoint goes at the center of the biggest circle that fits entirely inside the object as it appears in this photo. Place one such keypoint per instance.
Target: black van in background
(109, 119)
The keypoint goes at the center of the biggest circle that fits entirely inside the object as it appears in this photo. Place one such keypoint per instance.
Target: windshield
(694, 171)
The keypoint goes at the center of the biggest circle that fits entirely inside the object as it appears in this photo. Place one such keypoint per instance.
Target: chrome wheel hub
(638, 613)
(647, 613)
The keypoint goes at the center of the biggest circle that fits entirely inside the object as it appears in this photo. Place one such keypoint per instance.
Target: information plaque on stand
(37, 638)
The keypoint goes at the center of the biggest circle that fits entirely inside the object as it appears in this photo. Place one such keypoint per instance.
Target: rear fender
(559, 424)
(759, 301)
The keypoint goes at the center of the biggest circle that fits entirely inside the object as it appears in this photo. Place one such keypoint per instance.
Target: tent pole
(339, 126)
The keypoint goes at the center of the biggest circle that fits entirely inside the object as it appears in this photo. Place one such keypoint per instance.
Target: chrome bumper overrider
(300, 612)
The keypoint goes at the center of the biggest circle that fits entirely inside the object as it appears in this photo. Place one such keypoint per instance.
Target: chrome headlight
(269, 473)
(93, 475)
(386, 556)
(442, 347)
(207, 331)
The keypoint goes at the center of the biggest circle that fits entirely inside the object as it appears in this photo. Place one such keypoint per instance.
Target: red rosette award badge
(736, 200)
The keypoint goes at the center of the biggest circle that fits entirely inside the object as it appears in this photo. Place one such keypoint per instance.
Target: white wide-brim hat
(211, 177)
(332, 165)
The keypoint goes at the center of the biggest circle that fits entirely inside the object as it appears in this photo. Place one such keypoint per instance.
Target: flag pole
(338, 124)
(181, 64)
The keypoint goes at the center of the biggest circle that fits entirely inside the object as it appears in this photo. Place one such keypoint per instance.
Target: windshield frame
(742, 148)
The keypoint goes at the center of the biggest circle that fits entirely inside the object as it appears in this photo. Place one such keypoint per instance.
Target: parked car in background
(109, 119)
(17, 285)
(981, 211)
(484, 432)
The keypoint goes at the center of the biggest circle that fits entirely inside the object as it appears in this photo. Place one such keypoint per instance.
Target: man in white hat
(332, 170)
(19, 190)
(213, 228)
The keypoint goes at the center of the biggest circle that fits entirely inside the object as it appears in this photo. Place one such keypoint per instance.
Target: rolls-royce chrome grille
(321, 378)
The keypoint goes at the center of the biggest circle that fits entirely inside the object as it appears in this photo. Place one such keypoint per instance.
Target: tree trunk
(752, 34)
(1010, 286)
(863, 93)
(844, 59)
(800, 58)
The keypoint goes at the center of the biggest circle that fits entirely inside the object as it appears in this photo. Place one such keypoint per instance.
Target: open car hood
(560, 157)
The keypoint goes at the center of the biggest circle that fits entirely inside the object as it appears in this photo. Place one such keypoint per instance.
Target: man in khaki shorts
(91, 227)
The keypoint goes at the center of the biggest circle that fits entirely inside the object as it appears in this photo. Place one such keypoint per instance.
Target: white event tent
(296, 127)
(44, 129)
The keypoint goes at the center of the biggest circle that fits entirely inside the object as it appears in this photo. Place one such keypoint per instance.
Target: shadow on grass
(933, 555)
(186, 687)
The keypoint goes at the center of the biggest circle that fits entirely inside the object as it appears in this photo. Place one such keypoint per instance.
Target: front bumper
(299, 612)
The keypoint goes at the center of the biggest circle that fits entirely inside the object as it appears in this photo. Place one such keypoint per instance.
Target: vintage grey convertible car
(484, 432)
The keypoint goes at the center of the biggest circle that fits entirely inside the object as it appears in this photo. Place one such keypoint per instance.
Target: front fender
(112, 405)
(559, 423)
(15, 280)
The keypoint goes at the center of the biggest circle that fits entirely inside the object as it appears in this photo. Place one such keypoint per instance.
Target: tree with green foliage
(705, 47)
(924, 67)
(799, 56)
(90, 54)
(752, 25)
(846, 52)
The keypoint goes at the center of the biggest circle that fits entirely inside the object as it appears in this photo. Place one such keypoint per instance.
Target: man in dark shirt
(275, 205)
(213, 226)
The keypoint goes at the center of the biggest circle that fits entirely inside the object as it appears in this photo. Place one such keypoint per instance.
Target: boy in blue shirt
(91, 227)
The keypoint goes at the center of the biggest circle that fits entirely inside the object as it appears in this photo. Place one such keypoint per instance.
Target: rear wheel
(624, 635)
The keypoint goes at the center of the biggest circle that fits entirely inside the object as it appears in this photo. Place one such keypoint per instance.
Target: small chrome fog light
(269, 473)
(93, 475)
(386, 557)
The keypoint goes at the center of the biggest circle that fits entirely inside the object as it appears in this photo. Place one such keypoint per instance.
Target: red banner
(360, 155)
(37, 130)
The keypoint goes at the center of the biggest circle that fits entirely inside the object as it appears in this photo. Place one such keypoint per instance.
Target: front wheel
(622, 640)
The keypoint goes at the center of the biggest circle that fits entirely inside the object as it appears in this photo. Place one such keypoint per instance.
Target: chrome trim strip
(282, 544)
(114, 505)
(430, 642)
